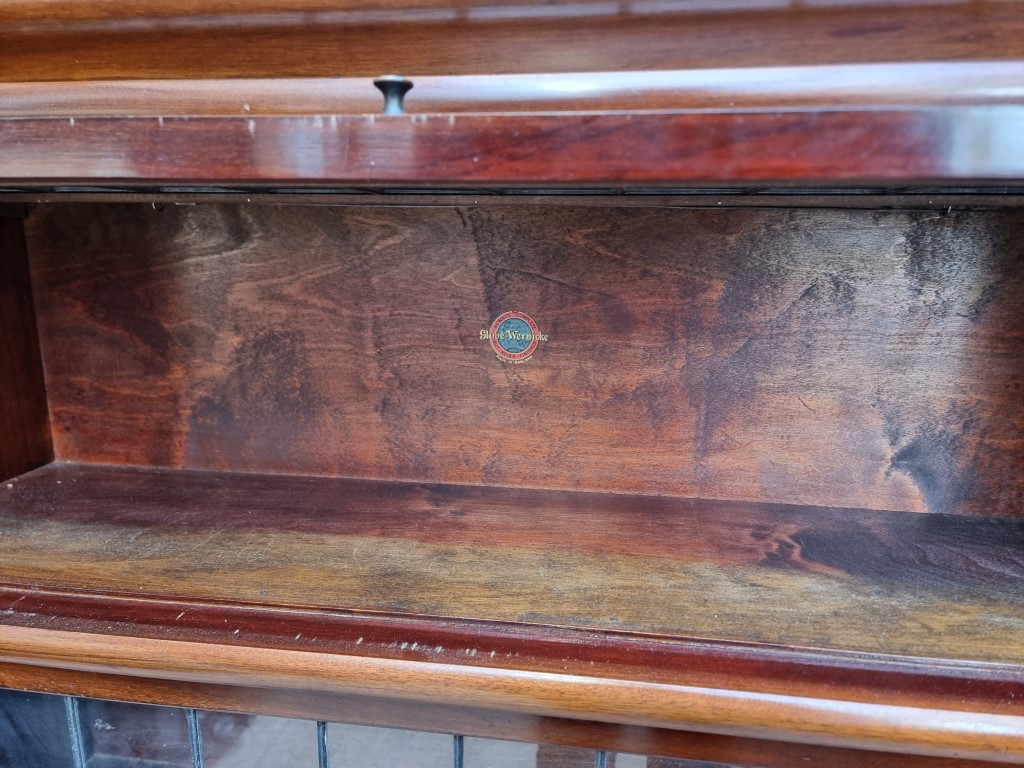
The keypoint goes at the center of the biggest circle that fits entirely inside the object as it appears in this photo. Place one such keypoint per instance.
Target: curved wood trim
(738, 713)
(410, 715)
(913, 682)
(925, 145)
(935, 83)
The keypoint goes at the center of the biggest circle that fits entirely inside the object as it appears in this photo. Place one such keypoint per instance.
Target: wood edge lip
(827, 722)
(910, 145)
(882, 110)
(568, 635)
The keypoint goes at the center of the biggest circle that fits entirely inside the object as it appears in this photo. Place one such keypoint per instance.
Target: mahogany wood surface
(832, 358)
(957, 144)
(747, 714)
(513, 726)
(24, 423)
(946, 587)
(935, 83)
(814, 673)
(163, 40)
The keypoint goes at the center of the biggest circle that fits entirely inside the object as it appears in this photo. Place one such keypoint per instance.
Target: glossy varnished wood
(747, 714)
(833, 358)
(946, 587)
(24, 425)
(933, 83)
(725, 665)
(162, 40)
(968, 144)
(483, 723)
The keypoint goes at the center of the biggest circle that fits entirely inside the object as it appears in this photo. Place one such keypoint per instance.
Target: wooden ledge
(741, 713)
(747, 620)
(962, 145)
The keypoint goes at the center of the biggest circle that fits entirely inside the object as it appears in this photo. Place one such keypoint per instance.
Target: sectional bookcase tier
(760, 487)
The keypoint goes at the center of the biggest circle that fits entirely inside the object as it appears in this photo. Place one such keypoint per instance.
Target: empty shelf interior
(941, 586)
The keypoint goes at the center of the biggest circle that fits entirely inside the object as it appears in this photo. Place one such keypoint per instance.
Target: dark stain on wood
(828, 358)
(944, 585)
(24, 422)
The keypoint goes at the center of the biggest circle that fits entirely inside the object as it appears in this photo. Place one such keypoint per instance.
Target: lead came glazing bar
(195, 738)
(321, 745)
(74, 722)
(459, 750)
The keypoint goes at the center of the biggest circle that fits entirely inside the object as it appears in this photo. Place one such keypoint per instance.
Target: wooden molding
(740, 713)
(963, 145)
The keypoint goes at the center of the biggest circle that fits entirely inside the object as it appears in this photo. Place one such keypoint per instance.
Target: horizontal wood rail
(740, 713)
(925, 145)
(88, 40)
(902, 84)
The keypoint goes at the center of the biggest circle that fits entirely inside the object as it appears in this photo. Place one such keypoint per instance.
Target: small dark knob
(394, 88)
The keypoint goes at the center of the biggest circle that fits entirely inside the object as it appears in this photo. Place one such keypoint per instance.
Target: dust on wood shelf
(471, 588)
(944, 586)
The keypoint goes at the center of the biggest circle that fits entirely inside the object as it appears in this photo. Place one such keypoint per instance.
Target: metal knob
(394, 88)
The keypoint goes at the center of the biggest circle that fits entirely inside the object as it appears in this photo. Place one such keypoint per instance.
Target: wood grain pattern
(88, 41)
(814, 673)
(833, 358)
(885, 145)
(999, 738)
(934, 83)
(945, 587)
(24, 423)
(463, 720)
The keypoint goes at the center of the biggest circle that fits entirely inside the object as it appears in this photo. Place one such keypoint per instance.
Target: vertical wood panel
(834, 358)
(24, 425)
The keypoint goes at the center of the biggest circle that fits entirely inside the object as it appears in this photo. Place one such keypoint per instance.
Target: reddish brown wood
(834, 358)
(461, 720)
(939, 145)
(933, 83)
(391, 549)
(718, 664)
(162, 40)
(24, 423)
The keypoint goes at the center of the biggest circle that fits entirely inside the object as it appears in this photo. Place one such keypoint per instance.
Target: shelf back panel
(846, 358)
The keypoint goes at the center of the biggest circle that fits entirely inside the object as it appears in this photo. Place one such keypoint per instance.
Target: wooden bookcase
(757, 496)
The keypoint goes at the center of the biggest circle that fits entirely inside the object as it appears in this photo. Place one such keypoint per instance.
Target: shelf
(494, 593)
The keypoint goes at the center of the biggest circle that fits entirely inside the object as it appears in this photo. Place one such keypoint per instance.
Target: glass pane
(677, 762)
(119, 735)
(553, 756)
(359, 746)
(253, 741)
(493, 753)
(621, 760)
(33, 731)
